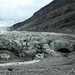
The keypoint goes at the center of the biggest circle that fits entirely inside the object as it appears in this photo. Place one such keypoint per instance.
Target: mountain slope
(56, 16)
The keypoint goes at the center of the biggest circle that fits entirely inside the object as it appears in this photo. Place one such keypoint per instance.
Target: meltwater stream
(18, 63)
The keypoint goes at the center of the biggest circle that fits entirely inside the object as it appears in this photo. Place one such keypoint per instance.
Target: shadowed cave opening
(63, 50)
(3, 49)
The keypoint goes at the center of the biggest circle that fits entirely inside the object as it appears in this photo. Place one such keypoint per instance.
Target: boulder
(39, 47)
(46, 46)
(29, 54)
(39, 56)
(51, 52)
(4, 56)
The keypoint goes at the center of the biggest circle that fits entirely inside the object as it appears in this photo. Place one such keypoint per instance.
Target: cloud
(19, 10)
(15, 3)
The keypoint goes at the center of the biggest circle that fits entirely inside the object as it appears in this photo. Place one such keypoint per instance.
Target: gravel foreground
(47, 66)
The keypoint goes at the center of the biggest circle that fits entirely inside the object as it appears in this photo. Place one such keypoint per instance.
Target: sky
(20, 10)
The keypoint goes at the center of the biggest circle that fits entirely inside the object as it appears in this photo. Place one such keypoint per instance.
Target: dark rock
(39, 56)
(10, 69)
(29, 54)
(56, 16)
(63, 50)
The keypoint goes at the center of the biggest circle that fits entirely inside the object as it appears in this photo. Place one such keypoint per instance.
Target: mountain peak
(56, 16)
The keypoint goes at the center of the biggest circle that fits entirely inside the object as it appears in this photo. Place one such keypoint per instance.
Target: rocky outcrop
(34, 45)
(56, 16)
(4, 56)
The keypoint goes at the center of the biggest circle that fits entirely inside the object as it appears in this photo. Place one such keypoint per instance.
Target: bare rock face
(58, 16)
(34, 45)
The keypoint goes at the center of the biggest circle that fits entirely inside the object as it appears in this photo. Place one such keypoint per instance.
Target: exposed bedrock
(34, 45)
(57, 16)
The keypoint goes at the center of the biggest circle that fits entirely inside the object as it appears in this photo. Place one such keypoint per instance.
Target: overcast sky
(19, 10)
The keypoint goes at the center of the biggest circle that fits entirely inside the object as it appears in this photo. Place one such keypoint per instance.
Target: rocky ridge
(58, 16)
